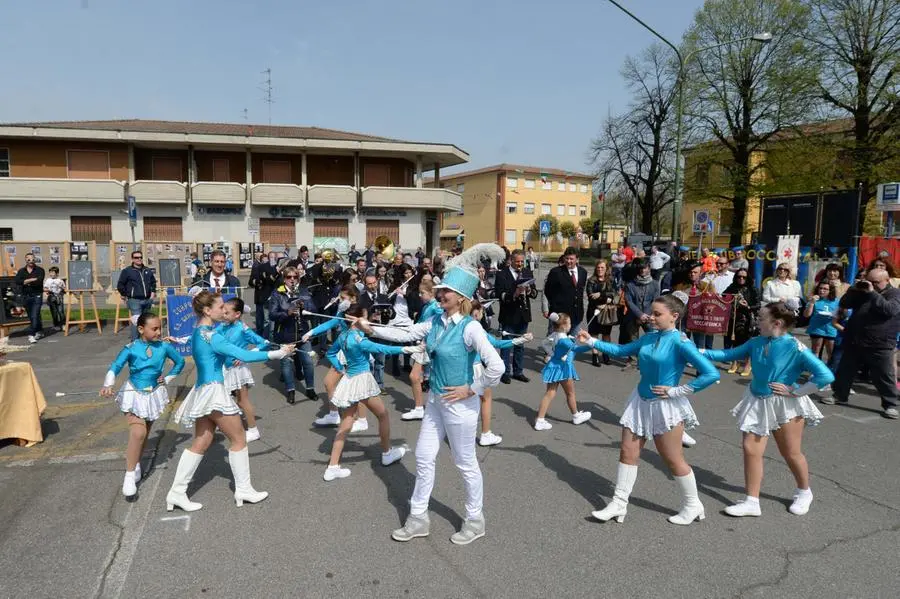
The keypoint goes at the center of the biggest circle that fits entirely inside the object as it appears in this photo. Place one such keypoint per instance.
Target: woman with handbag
(602, 307)
(742, 325)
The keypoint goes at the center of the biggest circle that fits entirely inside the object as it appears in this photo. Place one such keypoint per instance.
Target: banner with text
(182, 320)
(708, 313)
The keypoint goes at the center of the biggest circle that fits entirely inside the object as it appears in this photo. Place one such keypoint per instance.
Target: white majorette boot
(691, 508)
(177, 496)
(618, 507)
(240, 468)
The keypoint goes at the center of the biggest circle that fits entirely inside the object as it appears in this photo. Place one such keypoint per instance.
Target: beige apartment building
(501, 203)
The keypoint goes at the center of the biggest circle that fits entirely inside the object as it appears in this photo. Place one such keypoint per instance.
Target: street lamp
(762, 38)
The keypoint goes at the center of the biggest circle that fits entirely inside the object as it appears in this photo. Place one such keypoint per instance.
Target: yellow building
(501, 203)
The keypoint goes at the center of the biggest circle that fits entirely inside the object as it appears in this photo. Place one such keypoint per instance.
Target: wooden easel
(119, 319)
(82, 321)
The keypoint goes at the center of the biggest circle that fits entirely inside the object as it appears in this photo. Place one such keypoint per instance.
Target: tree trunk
(741, 187)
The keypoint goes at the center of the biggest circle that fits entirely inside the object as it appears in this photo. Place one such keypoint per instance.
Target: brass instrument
(330, 255)
(385, 247)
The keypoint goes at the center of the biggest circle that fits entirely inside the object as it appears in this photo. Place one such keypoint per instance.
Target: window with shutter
(330, 227)
(276, 171)
(277, 230)
(167, 168)
(88, 164)
(376, 175)
(91, 228)
(390, 228)
(221, 170)
(163, 228)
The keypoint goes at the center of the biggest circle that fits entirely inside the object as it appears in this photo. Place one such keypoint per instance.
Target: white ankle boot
(177, 496)
(691, 508)
(618, 507)
(240, 468)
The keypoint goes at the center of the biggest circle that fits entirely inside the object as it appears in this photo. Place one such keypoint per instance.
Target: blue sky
(521, 81)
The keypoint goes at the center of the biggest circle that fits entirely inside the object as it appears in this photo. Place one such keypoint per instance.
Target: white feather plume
(471, 258)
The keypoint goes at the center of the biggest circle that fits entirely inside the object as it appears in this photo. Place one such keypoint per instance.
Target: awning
(452, 232)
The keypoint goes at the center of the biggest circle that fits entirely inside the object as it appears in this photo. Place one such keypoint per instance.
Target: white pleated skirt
(204, 400)
(762, 415)
(148, 405)
(420, 357)
(237, 377)
(353, 389)
(649, 418)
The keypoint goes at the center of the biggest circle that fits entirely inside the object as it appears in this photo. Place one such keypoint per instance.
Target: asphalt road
(66, 531)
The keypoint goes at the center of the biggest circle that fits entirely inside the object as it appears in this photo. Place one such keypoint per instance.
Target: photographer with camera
(286, 307)
(869, 338)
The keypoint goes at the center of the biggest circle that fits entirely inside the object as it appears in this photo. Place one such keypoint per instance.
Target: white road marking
(186, 518)
(859, 419)
(87, 458)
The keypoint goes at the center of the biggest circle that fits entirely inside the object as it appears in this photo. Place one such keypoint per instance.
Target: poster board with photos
(168, 272)
(81, 275)
(205, 250)
(155, 251)
(246, 253)
(46, 254)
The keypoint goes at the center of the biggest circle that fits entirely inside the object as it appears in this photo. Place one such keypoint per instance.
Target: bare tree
(856, 44)
(637, 148)
(744, 93)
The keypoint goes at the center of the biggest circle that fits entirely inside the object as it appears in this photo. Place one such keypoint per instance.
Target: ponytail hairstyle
(780, 311)
(203, 300)
(672, 303)
(144, 318)
(355, 311)
(237, 304)
(563, 322)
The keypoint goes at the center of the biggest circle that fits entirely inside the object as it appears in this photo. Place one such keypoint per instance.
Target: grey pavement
(66, 531)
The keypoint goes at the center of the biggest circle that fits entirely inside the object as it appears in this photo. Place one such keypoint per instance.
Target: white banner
(788, 250)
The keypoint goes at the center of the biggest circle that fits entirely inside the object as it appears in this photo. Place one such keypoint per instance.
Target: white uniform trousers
(459, 422)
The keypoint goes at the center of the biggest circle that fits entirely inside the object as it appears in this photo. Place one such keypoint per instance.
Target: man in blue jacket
(137, 286)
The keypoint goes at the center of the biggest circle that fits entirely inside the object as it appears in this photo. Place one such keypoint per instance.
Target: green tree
(856, 44)
(587, 225)
(744, 93)
(567, 229)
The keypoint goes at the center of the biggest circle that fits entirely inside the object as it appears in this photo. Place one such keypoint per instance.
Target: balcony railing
(216, 192)
(276, 194)
(158, 192)
(332, 195)
(412, 197)
(28, 189)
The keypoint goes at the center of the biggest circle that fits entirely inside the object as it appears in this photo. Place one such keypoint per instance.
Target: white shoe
(579, 417)
(329, 419)
(744, 508)
(240, 469)
(252, 434)
(184, 472)
(414, 414)
(129, 488)
(38, 335)
(487, 439)
(137, 473)
(333, 472)
(32, 339)
(541, 424)
(359, 425)
(802, 500)
(687, 440)
(394, 454)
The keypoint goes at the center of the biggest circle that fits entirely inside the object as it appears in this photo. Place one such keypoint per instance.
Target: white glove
(168, 379)
(110, 379)
(413, 349)
(680, 391)
(306, 336)
(554, 317)
(805, 389)
(523, 339)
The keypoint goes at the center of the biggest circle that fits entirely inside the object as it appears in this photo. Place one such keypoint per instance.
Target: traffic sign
(253, 225)
(132, 210)
(545, 228)
(705, 227)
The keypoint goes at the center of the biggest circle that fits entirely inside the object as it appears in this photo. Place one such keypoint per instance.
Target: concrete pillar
(131, 163)
(419, 171)
(248, 177)
(192, 177)
(303, 182)
(437, 175)
(357, 180)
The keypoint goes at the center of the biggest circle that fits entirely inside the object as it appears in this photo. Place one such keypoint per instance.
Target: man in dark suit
(564, 289)
(263, 279)
(514, 287)
(217, 279)
(368, 298)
